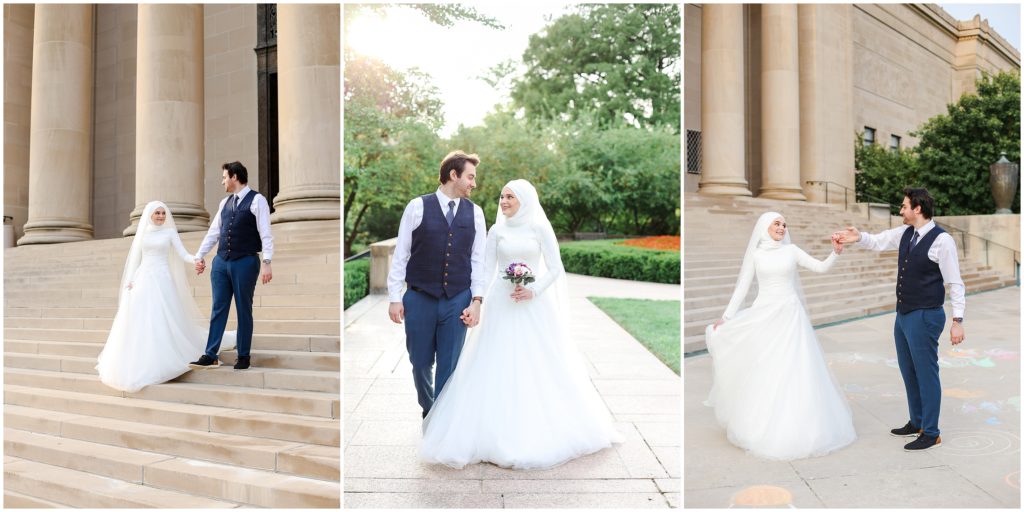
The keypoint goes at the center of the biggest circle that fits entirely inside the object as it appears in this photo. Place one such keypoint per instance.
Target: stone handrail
(380, 263)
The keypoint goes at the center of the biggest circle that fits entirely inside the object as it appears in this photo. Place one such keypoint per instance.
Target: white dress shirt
(259, 207)
(411, 219)
(942, 251)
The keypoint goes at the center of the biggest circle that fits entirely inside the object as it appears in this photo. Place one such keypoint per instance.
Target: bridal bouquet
(519, 273)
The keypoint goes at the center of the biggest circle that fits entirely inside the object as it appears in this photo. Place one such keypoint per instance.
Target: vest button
(447, 254)
(449, 244)
(446, 283)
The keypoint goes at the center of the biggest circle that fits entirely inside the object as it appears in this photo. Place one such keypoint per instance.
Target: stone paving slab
(977, 466)
(383, 427)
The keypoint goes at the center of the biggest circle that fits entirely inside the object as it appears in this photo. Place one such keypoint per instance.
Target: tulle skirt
(520, 396)
(153, 337)
(773, 391)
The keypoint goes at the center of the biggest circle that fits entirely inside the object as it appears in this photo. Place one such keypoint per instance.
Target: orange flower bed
(658, 243)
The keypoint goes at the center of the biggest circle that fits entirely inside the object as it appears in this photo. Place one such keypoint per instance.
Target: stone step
(204, 302)
(195, 477)
(249, 452)
(306, 403)
(84, 490)
(97, 330)
(283, 359)
(255, 377)
(17, 500)
(265, 313)
(284, 427)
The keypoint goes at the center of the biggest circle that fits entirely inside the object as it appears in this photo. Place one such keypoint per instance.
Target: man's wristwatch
(958, 319)
(267, 261)
(478, 299)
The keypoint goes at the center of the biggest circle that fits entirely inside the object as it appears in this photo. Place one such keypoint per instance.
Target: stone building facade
(108, 107)
(776, 93)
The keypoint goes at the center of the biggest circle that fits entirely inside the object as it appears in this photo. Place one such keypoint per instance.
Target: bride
(157, 328)
(520, 396)
(772, 390)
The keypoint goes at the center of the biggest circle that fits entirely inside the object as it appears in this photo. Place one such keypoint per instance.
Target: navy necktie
(913, 241)
(450, 216)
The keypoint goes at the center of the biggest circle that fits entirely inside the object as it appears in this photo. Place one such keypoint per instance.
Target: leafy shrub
(357, 281)
(604, 258)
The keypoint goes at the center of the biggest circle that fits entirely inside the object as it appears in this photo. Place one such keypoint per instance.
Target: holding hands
(837, 244)
(200, 265)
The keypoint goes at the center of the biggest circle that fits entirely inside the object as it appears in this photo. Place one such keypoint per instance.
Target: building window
(894, 143)
(869, 136)
(692, 152)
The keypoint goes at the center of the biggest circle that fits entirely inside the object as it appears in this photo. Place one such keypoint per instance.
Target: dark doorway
(266, 83)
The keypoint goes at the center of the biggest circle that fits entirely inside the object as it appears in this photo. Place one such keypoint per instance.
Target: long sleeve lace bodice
(775, 270)
(509, 244)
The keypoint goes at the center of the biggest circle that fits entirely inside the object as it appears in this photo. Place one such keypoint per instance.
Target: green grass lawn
(655, 323)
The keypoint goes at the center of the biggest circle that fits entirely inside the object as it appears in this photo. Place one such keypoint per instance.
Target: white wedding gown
(773, 391)
(155, 334)
(520, 396)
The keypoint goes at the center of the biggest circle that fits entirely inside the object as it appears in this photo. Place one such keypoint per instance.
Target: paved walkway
(977, 466)
(382, 421)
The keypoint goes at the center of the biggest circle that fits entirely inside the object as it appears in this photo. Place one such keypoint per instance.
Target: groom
(439, 254)
(927, 260)
(242, 228)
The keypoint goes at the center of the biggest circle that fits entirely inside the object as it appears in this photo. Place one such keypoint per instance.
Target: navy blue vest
(239, 236)
(922, 276)
(440, 256)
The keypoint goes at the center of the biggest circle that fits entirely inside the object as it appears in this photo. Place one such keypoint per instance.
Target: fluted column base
(55, 232)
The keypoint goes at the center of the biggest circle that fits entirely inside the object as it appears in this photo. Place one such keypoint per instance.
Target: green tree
(882, 174)
(617, 60)
(635, 175)
(391, 120)
(957, 147)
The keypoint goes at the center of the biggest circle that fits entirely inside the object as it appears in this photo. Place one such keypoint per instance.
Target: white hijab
(135, 255)
(531, 215)
(760, 239)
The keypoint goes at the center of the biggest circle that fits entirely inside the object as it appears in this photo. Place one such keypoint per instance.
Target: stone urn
(1003, 177)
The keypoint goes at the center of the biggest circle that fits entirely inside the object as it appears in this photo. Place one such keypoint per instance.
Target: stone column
(60, 145)
(18, 21)
(309, 103)
(169, 134)
(721, 101)
(780, 103)
(826, 100)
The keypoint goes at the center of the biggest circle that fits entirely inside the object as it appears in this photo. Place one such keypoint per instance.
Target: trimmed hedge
(357, 280)
(604, 258)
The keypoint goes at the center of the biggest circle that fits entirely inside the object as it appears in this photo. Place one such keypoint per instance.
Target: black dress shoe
(923, 442)
(908, 430)
(242, 363)
(424, 414)
(204, 362)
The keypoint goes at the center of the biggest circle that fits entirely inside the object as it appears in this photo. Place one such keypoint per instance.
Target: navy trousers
(917, 350)
(232, 278)
(433, 330)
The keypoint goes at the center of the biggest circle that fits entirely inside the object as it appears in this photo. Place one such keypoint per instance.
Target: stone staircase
(862, 282)
(265, 437)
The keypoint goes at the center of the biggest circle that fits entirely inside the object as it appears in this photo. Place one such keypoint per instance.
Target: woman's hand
(521, 293)
(837, 244)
